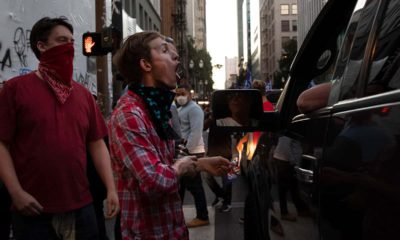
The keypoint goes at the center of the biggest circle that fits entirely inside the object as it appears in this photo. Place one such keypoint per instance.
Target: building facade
(196, 22)
(308, 12)
(278, 25)
(146, 12)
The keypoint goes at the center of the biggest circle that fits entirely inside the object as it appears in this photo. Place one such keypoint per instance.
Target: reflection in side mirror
(237, 108)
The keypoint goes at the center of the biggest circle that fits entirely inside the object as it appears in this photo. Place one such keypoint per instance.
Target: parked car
(350, 174)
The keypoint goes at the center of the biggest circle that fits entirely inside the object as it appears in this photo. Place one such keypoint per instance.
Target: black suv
(350, 171)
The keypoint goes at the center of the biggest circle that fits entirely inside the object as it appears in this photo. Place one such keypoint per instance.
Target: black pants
(195, 186)
(224, 191)
(5, 213)
(43, 227)
(287, 182)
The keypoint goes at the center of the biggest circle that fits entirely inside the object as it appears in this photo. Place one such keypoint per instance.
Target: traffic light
(92, 45)
(97, 44)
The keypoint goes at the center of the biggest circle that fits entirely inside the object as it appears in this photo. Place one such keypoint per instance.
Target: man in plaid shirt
(141, 142)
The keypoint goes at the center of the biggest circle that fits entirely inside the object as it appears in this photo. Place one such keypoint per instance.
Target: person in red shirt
(142, 142)
(47, 121)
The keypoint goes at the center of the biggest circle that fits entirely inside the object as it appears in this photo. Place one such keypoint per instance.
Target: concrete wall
(16, 20)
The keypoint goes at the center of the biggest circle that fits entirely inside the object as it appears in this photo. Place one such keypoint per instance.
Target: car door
(352, 143)
(358, 173)
(314, 63)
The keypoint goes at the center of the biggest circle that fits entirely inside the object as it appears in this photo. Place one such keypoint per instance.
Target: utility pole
(103, 93)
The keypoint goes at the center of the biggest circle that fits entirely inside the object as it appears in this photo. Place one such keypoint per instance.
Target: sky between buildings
(221, 18)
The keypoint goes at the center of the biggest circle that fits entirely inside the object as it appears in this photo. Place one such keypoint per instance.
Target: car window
(386, 74)
(345, 77)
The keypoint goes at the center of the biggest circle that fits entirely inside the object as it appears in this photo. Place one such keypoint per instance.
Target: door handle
(304, 175)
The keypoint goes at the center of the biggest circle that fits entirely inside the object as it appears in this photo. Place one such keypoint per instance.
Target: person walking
(192, 121)
(47, 121)
(142, 142)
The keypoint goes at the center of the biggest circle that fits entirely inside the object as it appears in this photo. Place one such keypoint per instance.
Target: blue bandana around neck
(158, 102)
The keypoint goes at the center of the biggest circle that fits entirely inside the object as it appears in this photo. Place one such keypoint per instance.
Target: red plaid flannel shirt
(147, 185)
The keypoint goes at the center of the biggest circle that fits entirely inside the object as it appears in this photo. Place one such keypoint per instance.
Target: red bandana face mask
(56, 67)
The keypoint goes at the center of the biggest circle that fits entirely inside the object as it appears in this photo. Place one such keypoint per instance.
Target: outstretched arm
(314, 98)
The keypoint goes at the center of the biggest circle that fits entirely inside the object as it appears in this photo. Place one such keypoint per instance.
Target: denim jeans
(224, 191)
(79, 224)
(195, 186)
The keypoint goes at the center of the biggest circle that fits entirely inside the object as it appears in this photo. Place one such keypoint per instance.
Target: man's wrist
(199, 164)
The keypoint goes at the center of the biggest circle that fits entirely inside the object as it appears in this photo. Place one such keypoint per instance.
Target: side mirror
(241, 110)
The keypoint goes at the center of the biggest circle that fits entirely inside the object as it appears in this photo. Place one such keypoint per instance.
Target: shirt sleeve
(7, 112)
(195, 143)
(133, 146)
(97, 126)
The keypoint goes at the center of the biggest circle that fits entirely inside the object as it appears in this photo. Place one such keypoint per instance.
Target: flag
(248, 80)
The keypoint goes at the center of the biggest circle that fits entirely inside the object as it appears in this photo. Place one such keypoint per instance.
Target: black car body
(353, 142)
(350, 171)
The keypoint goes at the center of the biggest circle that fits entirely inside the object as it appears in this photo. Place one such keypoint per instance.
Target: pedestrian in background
(142, 142)
(47, 121)
(191, 117)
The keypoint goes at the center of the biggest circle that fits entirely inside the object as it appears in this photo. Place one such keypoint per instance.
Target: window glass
(345, 77)
(294, 25)
(284, 9)
(385, 72)
(285, 26)
(294, 9)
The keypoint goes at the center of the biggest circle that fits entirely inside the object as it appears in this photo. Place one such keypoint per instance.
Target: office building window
(146, 21)
(285, 26)
(284, 9)
(127, 5)
(294, 9)
(294, 25)
(141, 16)
(284, 41)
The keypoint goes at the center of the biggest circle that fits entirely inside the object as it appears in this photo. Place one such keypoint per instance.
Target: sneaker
(225, 208)
(217, 202)
(195, 222)
(277, 229)
(289, 217)
(241, 220)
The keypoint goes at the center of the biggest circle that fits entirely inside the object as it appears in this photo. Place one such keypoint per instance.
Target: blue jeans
(80, 224)
(195, 187)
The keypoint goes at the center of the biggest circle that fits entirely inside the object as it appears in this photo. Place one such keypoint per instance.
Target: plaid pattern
(147, 185)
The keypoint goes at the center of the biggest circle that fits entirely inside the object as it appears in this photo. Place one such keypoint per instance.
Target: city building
(231, 71)
(308, 11)
(196, 22)
(278, 25)
(146, 12)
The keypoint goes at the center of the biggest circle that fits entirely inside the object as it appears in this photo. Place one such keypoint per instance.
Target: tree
(289, 52)
(204, 73)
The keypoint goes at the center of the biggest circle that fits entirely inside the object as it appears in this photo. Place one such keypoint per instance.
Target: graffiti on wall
(21, 44)
(20, 48)
(88, 81)
(5, 57)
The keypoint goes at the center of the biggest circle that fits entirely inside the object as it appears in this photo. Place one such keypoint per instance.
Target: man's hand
(112, 204)
(26, 204)
(216, 166)
(185, 166)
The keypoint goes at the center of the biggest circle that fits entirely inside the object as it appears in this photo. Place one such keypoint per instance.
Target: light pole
(194, 72)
